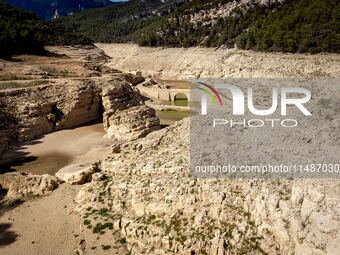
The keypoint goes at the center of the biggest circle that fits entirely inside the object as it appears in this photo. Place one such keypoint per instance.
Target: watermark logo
(238, 99)
(208, 90)
(281, 98)
(264, 128)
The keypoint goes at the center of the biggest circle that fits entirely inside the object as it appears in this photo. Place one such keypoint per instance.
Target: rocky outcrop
(21, 184)
(125, 116)
(117, 97)
(133, 123)
(72, 103)
(149, 198)
(48, 108)
(78, 173)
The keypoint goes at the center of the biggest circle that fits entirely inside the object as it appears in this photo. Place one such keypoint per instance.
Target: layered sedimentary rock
(132, 123)
(41, 110)
(29, 113)
(150, 200)
(187, 63)
(117, 98)
(126, 117)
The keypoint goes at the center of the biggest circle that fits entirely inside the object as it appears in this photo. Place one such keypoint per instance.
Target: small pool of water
(169, 117)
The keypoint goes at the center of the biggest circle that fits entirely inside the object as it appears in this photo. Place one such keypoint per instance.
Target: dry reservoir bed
(56, 150)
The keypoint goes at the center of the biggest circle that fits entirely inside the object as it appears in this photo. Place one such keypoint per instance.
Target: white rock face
(155, 205)
(20, 184)
(79, 173)
(133, 123)
(48, 108)
(126, 118)
(180, 63)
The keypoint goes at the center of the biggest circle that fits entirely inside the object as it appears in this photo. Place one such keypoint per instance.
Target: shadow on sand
(7, 235)
(16, 157)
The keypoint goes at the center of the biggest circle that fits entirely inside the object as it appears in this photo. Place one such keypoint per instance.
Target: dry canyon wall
(29, 113)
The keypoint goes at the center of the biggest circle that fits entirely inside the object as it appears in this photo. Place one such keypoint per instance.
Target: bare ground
(43, 226)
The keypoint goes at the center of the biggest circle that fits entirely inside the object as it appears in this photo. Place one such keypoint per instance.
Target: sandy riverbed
(54, 151)
(44, 225)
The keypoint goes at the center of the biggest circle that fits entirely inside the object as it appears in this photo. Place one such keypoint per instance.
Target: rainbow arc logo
(213, 94)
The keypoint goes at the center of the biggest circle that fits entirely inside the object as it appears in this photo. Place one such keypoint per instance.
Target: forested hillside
(300, 26)
(288, 26)
(46, 9)
(20, 31)
(118, 22)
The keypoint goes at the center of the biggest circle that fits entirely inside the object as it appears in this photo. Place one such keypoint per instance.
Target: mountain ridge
(279, 25)
(48, 9)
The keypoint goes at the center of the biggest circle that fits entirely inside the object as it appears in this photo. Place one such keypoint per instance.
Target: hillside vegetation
(45, 9)
(291, 26)
(118, 22)
(300, 26)
(20, 31)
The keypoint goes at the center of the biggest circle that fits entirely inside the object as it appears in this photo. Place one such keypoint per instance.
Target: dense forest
(291, 26)
(300, 26)
(20, 31)
(119, 21)
(46, 9)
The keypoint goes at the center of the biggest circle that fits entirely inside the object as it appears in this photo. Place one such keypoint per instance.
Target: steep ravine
(47, 224)
(30, 113)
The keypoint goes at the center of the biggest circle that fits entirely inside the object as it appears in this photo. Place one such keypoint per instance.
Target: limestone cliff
(149, 200)
(28, 113)
(40, 110)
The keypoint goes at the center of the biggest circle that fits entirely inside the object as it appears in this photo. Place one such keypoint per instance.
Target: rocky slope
(189, 63)
(147, 198)
(29, 111)
(141, 199)
(60, 101)
(48, 108)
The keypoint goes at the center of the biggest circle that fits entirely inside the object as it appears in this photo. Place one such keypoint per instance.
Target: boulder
(79, 173)
(22, 184)
(116, 97)
(132, 123)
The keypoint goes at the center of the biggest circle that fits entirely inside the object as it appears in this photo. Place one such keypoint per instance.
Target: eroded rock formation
(21, 184)
(41, 110)
(126, 117)
(150, 200)
(188, 63)
(32, 112)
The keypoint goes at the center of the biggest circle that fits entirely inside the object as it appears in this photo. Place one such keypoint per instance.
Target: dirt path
(43, 226)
